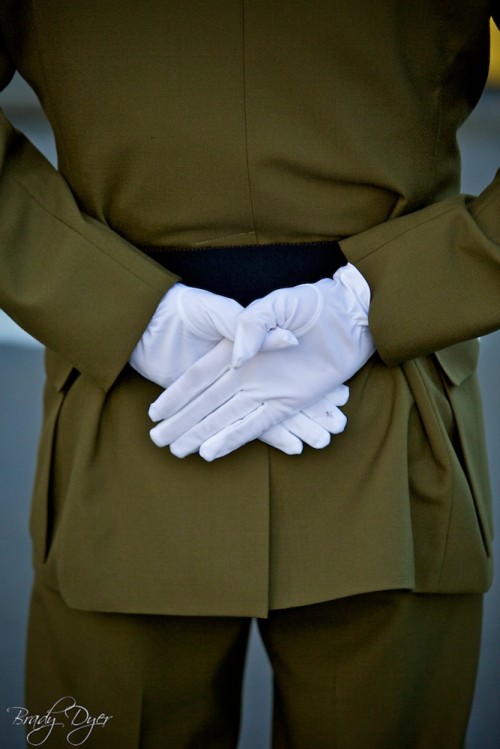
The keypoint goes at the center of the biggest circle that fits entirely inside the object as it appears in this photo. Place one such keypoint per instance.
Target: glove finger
(287, 436)
(282, 439)
(296, 308)
(193, 414)
(230, 428)
(277, 339)
(307, 430)
(329, 402)
(198, 378)
(258, 328)
(236, 435)
(249, 336)
(327, 415)
(274, 340)
(339, 396)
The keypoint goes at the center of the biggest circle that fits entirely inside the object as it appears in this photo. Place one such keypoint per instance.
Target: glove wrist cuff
(351, 278)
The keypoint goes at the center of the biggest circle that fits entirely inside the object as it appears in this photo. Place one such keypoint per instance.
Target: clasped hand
(236, 392)
(189, 323)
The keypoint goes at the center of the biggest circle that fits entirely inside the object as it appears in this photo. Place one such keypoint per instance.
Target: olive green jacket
(230, 122)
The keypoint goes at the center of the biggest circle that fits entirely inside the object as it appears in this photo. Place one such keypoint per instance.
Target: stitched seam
(437, 136)
(198, 248)
(48, 99)
(247, 156)
(223, 236)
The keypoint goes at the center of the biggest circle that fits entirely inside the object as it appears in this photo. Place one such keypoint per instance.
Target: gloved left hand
(215, 407)
(187, 323)
(311, 426)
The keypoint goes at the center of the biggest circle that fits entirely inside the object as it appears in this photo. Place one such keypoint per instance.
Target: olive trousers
(385, 670)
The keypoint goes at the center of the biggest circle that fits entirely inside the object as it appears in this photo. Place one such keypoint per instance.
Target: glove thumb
(251, 337)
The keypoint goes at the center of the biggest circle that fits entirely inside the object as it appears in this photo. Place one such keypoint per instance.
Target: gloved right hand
(188, 323)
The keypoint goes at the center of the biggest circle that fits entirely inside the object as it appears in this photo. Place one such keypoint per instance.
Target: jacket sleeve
(68, 280)
(434, 274)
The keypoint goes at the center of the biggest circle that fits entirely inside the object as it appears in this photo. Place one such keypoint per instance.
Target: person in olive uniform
(284, 128)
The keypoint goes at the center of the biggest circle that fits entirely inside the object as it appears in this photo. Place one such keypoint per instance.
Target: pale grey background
(20, 414)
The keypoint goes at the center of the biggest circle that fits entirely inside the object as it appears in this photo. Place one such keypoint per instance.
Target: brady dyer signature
(65, 715)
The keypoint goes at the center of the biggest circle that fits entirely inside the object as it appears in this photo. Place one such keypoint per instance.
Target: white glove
(216, 408)
(312, 426)
(187, 324)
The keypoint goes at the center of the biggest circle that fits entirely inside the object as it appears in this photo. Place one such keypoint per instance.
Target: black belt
(248, 272)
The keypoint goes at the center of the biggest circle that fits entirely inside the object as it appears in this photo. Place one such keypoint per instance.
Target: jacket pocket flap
(459, 361)
(57, 369)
